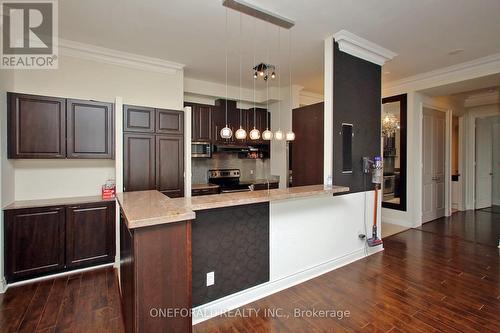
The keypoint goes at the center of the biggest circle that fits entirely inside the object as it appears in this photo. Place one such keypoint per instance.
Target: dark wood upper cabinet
(139, 162)
(34, 242)
(37, 126)
(156, 160)
(90, 234)
(201, 122)
(138, 119)
(169, 121)
(170, 165)
(90, 129)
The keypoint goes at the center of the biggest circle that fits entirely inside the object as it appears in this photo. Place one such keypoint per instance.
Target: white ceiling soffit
(362, 48)
(115, 57)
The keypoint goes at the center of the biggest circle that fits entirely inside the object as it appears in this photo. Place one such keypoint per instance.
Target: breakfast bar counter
(169, 248)
(148, 208)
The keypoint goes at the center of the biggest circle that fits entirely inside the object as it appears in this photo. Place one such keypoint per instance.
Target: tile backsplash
(199, 167)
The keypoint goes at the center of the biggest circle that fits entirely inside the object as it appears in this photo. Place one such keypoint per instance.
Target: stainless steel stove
(228, 180)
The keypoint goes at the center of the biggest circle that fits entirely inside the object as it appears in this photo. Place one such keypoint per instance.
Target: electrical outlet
(251, 171)
(210, 279)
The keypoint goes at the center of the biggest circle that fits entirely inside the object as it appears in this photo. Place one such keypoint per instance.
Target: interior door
(496, 163)
(433, 173)
(484, 162)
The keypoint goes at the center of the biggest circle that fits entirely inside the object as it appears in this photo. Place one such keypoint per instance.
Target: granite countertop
(55, 202)
(147, 208)
(203, 186)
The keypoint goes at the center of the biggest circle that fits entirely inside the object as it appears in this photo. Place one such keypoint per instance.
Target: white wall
(88, 79)
(7, 180)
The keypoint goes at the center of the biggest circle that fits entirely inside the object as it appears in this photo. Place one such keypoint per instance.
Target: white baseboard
(234, 301)
(52, 276)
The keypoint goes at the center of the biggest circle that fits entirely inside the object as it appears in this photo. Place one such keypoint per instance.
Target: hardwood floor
(437, 281)
(439, 278)
(86, 302)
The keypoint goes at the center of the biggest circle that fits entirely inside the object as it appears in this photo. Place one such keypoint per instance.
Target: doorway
(434, 161)
(487, 162)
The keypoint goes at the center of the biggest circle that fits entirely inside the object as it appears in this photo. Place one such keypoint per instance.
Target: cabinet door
(169, 121)
(138, 119)
(170, 165)
(139, 162)
(34, 242)
(204, 122)
(218, 122)
(37, 126)
(90, 129)
(90, 234)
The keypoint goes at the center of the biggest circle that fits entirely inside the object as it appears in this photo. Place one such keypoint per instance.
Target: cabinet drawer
(204, 191)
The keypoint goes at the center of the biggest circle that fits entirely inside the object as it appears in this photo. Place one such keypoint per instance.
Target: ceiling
(191, 32)
(467, 88)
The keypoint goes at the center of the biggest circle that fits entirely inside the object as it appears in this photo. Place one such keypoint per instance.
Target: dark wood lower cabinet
(155, 276)
(34, 242)
(46, 240)
(90, 234)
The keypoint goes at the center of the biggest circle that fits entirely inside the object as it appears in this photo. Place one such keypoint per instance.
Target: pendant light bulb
(254, 134)
(240, 134)
(261, 73)
(255, 75)
(278, 135)
(226, 133)
(273, 75)
(290, 136)
(267, 135)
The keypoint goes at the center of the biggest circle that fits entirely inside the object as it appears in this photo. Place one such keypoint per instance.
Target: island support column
(155, 277)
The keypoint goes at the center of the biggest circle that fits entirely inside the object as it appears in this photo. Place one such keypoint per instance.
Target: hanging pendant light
(278, 135)
(290, 135)
(226, 132)
(255, 133)
(240, 134)
(267, 134)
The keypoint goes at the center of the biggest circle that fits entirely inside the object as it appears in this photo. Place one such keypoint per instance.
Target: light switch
(210, 279)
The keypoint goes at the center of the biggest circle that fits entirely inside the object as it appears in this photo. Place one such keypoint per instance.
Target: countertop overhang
(149, 208)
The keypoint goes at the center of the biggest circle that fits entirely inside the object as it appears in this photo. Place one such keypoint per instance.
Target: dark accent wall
(233, 242)
(357, 101)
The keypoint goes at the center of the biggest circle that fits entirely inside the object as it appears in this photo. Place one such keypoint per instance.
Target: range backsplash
(200, 166)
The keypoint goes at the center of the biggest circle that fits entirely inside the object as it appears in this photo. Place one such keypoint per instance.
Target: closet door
(433, 173)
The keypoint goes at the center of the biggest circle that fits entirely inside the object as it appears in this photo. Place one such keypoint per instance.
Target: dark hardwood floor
(481, 226)
(86, 302)
(443, 277)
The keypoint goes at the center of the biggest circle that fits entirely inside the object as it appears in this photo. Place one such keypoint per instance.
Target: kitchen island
(213, 253)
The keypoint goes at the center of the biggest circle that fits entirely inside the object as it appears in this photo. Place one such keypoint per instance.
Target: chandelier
(265, 71)
(390, 124)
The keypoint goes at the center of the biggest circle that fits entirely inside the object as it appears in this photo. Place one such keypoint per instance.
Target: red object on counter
(108, 193)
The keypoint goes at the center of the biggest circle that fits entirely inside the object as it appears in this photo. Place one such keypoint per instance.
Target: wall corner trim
(362, 48)
(115, 57)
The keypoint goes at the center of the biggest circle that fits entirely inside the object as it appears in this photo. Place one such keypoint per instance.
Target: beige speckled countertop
(147, 208)
(55, 202)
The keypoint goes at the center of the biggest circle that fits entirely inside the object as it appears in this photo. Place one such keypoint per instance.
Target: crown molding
(362, 48)
(115, 57)
(464, 71)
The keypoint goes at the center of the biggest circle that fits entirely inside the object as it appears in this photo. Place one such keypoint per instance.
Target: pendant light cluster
(241, 134)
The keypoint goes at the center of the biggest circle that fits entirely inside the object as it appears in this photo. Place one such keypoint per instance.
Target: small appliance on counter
(108, 190)
(201, 149)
